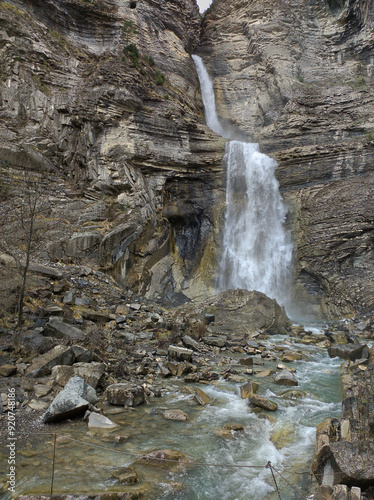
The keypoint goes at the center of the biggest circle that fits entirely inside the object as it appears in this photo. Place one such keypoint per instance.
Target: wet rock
(247, 389)
(285, 377)
(180, 353)
(246, 361)
(42, 365)
(57, 328)
(200, 396)
(175, 415)
(264, 373)
(7, 370)
(72, 401)
(234, 427)
(163, 458)
(127, 476)
(291, 356)
(125, 394)
(98, 421)
(192, 378)
(262, 402)
(350, 352)
(282, 366)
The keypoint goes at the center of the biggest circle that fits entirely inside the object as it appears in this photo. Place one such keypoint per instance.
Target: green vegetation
(160, 78)
(43, 87)
(133, 52)
(128, 30)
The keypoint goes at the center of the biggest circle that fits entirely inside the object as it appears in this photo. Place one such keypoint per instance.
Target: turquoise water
(87, 462)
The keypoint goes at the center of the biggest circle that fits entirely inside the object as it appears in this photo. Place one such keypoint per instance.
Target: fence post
(268, 466)
(53, 463)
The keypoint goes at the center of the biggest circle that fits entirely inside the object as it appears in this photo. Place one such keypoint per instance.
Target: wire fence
(275, 473)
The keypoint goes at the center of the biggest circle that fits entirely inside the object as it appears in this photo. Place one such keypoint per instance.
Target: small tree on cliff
(23, 223)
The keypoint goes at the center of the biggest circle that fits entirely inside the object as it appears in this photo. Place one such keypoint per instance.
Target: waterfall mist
(257, 251)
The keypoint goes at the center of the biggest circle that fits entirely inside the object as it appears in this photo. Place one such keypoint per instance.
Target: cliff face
(102, 98)
(101, 94)
(297, 77)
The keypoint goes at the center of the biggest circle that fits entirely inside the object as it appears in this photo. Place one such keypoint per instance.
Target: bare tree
(23, 222)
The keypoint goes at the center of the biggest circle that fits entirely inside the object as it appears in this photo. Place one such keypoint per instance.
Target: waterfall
(257, 251)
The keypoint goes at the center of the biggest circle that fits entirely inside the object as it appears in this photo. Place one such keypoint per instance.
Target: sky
(203, 4)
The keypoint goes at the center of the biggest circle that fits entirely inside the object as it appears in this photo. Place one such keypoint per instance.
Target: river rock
(42, 365)
(73, 400)
(285, 377)
(175, 415)
(168, 459)
(291, 356)
(262, 402)
(350, 352)
(247, 389)
(98, 421)
(125, 394)
(200, 396)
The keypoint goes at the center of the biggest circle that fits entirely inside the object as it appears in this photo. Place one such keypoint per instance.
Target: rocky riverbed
(81, 326)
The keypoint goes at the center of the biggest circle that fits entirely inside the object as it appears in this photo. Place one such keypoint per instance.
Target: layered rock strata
(296, 77)
(100, 98)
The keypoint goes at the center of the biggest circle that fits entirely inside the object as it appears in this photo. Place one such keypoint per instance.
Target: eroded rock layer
(100, 96)
(297, 77)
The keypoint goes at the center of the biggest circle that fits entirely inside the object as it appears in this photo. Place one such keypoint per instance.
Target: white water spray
(257, 250)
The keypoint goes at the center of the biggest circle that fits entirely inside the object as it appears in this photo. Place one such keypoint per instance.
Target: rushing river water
(87, 463)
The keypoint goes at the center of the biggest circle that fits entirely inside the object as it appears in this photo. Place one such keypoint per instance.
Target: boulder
(98, 421)
(216, 340)
(191, 343)
(57, 328)
(125, 394)
(247, 389)
(285, 377)
(72, 401)
(246, 361)
(200, 396)
(350, 352)
(42, 365)
(291, 356)
(242, 310)
(180, 353)
(163, 458)
(175, 415)
(90, 372)
(262, 402)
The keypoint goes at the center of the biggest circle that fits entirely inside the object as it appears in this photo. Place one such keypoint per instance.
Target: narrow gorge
(197, 177)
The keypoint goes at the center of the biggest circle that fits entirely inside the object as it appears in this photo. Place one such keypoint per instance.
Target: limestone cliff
(102, 98)
(297, 77)
(102, 95)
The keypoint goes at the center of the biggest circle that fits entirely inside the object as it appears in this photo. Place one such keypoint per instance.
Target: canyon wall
(101, 97)
(297, 77)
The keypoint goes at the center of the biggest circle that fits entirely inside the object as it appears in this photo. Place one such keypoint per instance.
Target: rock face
(103, 94)
(101, 99)
(296, 77)
(345, 447)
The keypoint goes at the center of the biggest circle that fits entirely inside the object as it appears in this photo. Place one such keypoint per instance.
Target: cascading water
(257, 250)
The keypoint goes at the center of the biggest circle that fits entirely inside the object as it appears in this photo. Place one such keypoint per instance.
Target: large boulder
(262, 402)
(348, 351)
(90, 372)
(125, 394)
(243, 311)
(74, 399)
(285, 377)
(56, 327)
(42, 365)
